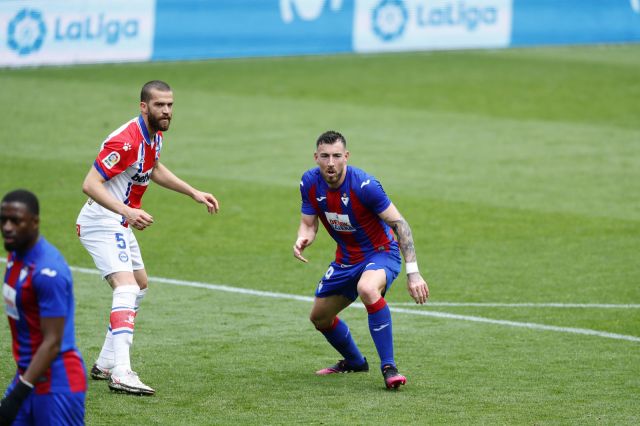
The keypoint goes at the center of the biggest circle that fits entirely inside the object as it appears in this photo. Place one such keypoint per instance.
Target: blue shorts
(52, 409)
(343, 279)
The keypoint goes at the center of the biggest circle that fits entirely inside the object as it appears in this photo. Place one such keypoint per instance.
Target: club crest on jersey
(345, 199)
(23, 273)
(111, 160)
(339, 222)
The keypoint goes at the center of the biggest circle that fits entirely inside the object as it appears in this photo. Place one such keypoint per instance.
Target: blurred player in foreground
(359, 216)
(51, 382)
(128, 159)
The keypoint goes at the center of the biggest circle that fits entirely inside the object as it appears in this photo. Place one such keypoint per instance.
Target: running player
(51, 382)
(128, 159)
(359, 216)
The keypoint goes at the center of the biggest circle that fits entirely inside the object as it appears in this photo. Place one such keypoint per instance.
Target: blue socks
(339, 336)
(381, 330)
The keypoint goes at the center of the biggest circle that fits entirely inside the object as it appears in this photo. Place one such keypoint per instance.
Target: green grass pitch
(518, 171)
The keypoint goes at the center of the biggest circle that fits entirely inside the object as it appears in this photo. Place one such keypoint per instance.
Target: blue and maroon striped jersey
(39, 285)
(349, 213)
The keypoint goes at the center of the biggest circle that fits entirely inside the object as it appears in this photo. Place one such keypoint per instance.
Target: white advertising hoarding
(89, 31)
(395, 25)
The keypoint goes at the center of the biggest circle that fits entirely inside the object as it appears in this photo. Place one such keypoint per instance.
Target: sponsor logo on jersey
(9, 295)
(111, 160)
(141, 177)
(339, 222)
(126, 146)
(123, 256)
(366, 182)
(321, 198)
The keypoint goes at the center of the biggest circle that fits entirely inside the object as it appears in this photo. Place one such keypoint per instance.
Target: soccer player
(359, 216)
(128, 159)
(51, 382)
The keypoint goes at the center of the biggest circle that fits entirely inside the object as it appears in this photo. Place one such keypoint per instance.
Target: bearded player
(128, 160)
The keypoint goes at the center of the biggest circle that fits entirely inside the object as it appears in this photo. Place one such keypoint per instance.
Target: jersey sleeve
(373, 195)
(115, 156)
(52, 289)
(305, 187)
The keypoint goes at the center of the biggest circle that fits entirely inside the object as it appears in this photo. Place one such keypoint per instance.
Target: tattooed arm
(416, 285)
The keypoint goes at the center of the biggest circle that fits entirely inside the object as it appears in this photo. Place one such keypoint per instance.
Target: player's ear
(346, 155)
(144, 107)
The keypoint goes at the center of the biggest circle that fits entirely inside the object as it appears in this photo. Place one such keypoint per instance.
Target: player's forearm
(405, 239)
(166, 179)
(44, 356)
(96, 190)
(308, 231)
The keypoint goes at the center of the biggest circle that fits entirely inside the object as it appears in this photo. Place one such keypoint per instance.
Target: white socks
(115, 350)
(107, 358)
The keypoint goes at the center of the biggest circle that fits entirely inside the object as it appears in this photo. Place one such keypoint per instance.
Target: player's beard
(333, 178)
(159, 124)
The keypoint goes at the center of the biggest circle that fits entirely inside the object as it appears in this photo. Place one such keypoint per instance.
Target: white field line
(259, 293)
(530, 305)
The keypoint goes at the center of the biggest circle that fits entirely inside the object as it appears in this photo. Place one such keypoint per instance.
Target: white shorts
(113, 247)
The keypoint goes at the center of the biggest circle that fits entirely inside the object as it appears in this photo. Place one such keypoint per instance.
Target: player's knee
(143, 284)
(369, 293)
(320, 322)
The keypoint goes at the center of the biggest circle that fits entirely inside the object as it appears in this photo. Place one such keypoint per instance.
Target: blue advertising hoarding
(548, 22)
(196, 29)
(48, 32)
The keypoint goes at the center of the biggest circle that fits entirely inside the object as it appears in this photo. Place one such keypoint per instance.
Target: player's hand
(10, 404)
(208, 200)
(138, 218)
(298, 248)
(417, 287)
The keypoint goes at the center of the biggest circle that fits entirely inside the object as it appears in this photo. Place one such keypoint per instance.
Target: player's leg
(110, 247)
(372, 286)
(336, 291)
(324, 316)
(107, 245)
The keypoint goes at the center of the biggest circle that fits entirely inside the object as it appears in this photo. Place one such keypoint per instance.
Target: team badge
(23, 273)
(111, 160)
(345, 199)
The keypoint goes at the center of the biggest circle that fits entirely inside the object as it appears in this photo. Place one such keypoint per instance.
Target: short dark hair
(25, 197)
(330, 137)
(145, 93)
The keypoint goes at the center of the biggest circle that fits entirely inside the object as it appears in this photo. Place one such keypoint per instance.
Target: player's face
(332, 160)
(158, 110)
(19, 226)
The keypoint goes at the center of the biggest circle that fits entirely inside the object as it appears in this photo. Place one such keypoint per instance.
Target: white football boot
(129, 383)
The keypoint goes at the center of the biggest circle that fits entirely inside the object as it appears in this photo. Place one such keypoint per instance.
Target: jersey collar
(143, 130)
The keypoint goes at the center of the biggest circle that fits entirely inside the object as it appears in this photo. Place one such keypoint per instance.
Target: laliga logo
(26, 32)
(389, 19)
(307, 10)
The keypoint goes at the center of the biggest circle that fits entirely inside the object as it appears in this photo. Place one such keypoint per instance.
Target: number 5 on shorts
(121, 242)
